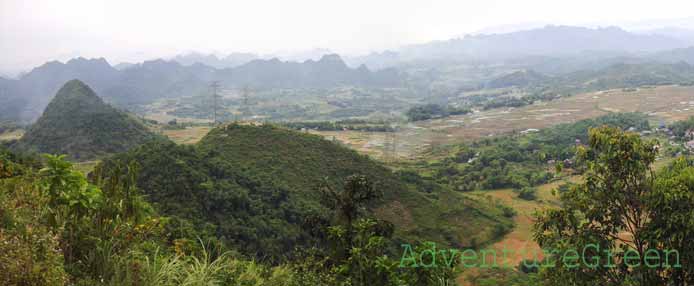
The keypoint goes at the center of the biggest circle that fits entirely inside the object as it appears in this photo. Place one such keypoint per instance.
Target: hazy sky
(34, 31)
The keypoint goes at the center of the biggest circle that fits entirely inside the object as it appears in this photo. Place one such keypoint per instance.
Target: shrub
(527, 193)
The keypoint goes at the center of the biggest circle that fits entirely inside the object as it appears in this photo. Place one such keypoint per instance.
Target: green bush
(527, 193)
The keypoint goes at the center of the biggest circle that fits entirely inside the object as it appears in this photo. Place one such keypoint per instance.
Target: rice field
(188, 135)
(413, 140)
(667, 103)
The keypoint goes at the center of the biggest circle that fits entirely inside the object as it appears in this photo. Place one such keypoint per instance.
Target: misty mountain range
(229, 61)
(25, 98)
(549, 41)
(549, 50)
(237, 59)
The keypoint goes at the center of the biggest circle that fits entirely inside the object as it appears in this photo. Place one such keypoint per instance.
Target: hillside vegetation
(257, 188)
(59, 228)
(78, 123)
(524, 160)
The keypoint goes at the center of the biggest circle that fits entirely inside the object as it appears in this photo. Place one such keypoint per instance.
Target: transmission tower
(246, 110)
(214, 86)
(394, 136)
(246, 91)
(390, 145)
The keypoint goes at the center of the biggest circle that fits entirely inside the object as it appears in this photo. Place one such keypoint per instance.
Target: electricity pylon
(214, 86)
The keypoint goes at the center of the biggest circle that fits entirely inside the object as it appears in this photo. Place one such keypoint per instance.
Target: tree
(71, 200)
(347, 205)
(527, 193)
(358, 191)
(360, 244)
(672, 222)
(621, 207)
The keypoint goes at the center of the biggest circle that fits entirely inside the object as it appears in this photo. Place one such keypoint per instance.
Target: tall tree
(617, 217)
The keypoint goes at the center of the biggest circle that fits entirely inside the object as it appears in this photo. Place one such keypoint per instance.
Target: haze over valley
(394, 143)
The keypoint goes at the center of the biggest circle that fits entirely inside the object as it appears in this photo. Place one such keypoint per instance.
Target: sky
(35, 31)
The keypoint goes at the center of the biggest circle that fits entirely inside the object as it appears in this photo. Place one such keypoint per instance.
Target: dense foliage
(527, 193)
(59, 228)
(519, 161)
(341, 125)
(251, 187)
(429, 111)
(683, 128)
(624, 208)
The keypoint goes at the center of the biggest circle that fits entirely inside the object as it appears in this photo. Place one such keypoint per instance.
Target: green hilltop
(255, 188)
(78, 123)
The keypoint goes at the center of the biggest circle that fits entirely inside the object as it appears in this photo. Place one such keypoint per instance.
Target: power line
(395, 143)
(246, 110)
(390, 145)
(214, 86)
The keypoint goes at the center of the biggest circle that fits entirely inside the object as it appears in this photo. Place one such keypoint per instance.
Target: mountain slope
(620, 75)
(329, 71)
(151, 80)
(36, 88)
(256, 187)
(230, 61)
(520, 78)
(78, 123)
(10, 100)
(675, 56)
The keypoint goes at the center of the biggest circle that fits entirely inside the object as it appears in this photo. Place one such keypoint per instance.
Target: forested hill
(255, 188)
(79, 124)
(299, 160)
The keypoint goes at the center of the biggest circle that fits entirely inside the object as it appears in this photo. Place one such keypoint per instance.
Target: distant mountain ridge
(28, 95)
(674, 56)
(682, 34)
(329, 71)
(617, 75)
(519, 78)
(151, 80)
(548, 41)
(230, 61)
(551, 50)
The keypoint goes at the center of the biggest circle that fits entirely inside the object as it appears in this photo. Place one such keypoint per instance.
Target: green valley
(364, 143)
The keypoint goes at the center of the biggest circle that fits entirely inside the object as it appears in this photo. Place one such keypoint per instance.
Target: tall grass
(161, 270)
(204, 269)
